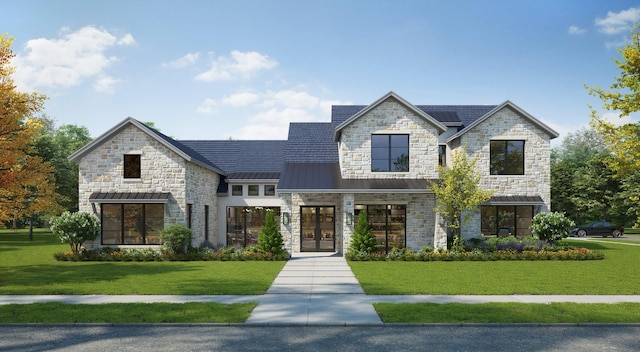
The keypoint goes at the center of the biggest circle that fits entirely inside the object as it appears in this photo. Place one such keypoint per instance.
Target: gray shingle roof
(241, 156)
(311, 142)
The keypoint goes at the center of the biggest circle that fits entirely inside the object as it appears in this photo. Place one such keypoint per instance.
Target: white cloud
(292, 98)
(105, 84)
(614, 118)
(577, 30)
(187, 60)
(240, 99)
(208, 106)
(618, 22)
(237, 65)
(68, 61)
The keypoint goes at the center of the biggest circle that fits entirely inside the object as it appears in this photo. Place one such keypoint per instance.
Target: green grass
(126, 313)
(508, 313)
(29, 268)
(617, 274)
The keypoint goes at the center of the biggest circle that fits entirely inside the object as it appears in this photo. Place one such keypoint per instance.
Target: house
(377, 157)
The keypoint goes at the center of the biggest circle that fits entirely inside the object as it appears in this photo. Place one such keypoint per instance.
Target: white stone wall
(507, 124)
(389, 117)
(322, 200)
(162, 170)
(200, 190)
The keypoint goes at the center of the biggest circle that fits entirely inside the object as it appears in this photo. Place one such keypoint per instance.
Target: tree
(362, 240)
(458, 193)
(623, 142)
(270, 239)
(75, 229)
(26, 181)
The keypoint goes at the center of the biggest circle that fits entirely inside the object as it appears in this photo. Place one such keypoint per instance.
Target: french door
(317, 229)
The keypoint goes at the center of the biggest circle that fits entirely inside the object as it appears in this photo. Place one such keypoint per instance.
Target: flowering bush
(75, 228)
(551, 227)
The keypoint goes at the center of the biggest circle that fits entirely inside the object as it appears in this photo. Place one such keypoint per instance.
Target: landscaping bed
(492, 249)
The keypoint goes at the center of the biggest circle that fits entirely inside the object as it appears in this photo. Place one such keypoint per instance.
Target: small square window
(269, 190)
(236, 190)
(132, 166)
(254, 190)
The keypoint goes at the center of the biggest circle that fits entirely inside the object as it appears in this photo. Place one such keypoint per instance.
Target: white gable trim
(552, 133)
(372, 106)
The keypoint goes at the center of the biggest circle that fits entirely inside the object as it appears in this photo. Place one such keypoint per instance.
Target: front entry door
(317, 230)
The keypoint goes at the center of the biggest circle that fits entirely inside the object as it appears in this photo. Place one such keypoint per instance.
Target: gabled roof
(390, 95)
(526, 115)
(173, 145)
(311, 142)
(242, 156)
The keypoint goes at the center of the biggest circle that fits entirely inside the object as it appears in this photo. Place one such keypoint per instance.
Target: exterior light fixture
(286, 218)
(349, 219)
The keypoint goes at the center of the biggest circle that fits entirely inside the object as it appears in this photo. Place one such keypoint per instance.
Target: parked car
(598, 228)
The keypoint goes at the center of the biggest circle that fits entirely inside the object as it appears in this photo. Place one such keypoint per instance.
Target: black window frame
(269, 190)
(385, 225)
(499, 224)
(122, 224)
(132, 168)
(251, 189)
(501, 162)
(235, 188)
(382, 152)
(442, 155)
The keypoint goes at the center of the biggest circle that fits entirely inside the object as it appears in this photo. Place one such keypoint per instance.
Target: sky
(245, 69)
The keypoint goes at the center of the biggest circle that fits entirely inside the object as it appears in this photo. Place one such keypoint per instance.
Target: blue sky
(245, 69)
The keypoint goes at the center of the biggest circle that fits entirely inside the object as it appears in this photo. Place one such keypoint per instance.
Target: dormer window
(390, 153)
(132, 166)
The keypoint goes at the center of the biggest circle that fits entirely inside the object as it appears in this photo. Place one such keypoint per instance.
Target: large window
(132, 223)
(506, 220)
(390, 153)
(507, 157)
(388, 224)
(245, 223)
(132, 166)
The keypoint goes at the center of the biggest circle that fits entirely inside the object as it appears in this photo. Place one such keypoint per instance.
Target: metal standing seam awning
(129, 197)
(514, 200)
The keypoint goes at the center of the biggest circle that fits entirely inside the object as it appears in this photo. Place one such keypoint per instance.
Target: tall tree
(624, 97)
(26, 181)
(458, 193)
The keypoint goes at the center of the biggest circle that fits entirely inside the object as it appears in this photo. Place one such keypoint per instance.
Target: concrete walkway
(315, 289)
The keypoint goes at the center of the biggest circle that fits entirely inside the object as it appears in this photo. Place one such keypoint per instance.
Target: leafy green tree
(75, 228)
(270, 239)
(624, 97)
(362, 239)
(551, 227)
(458, 193)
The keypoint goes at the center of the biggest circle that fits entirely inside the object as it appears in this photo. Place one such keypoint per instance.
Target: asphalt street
(143, 338)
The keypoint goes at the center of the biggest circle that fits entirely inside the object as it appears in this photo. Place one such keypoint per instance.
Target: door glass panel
(317, 229)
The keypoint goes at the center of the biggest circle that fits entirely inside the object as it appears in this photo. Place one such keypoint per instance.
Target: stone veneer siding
(508, 124)
(201, 187)
(390, 117)
(162, 170)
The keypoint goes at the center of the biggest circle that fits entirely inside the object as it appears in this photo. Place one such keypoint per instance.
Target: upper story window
(132, 166)
(442, 155)
(390, 153)
(254, 190)
(269, 190)
(236, 190)
(507, 157)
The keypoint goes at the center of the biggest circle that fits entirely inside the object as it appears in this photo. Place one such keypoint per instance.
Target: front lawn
(29, 268)
(508, 313)
(617, 274)
(192, 312)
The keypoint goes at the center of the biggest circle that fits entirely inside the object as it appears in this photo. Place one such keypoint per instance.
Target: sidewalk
(316, 289)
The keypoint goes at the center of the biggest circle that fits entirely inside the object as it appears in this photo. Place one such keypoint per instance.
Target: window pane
(515, 157)
(379, 165)
(506, 219)
(253, 190)
(132, 166)
(380, 141)
(380, 154)
(397, 226)
(133, 223)
(236, 190)
(442, 155)
(488, 218)
(269, 190)
(496, 159)
(154, 222)
(400, 141)
(111, 224)
(524, 216)
(400, 159)
(234, 226)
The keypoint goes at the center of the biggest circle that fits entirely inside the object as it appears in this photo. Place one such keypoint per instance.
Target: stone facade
(390, 117)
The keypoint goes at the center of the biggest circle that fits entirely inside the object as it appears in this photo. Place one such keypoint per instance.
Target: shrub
(176, 238)
(270, 239)
(75, 229)
(551, 227)
(362, 239)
